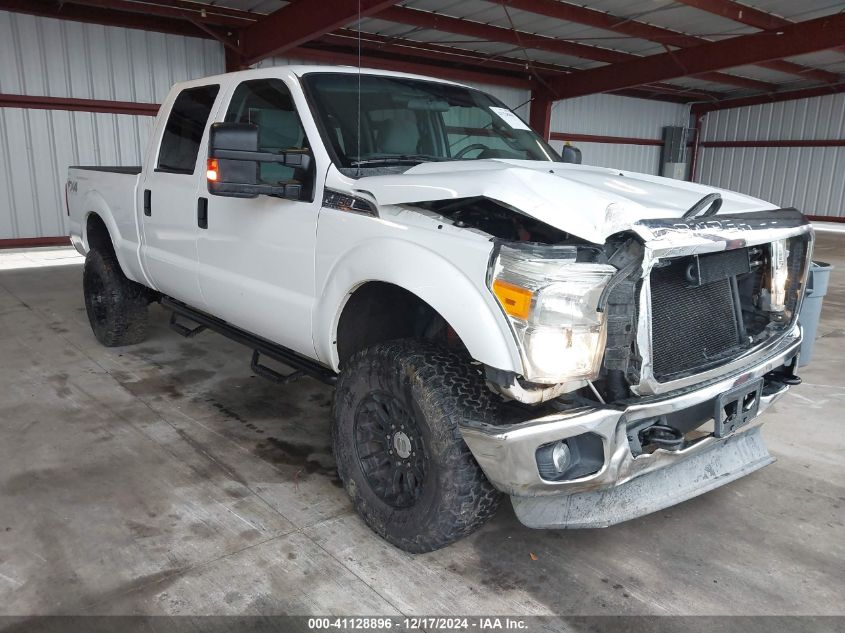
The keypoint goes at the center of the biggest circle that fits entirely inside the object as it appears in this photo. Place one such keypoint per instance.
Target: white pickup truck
(594, 343)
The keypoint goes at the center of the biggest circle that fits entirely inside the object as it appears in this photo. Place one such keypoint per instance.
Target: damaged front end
(665, 305)
(679, 334)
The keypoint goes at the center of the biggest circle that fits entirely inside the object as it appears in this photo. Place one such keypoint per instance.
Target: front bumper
(507, 454)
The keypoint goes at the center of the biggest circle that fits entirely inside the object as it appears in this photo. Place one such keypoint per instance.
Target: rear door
(168, 196)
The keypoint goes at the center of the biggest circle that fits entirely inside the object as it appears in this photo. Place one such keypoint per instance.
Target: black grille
(691, 327)
(694, 322)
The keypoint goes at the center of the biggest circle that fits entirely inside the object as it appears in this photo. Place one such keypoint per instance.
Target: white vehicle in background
(594, 343)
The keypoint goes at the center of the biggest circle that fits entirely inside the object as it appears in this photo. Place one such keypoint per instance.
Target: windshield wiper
(398, 159)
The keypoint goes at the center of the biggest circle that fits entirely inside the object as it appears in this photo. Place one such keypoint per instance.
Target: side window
(268, 104)
(183, 132)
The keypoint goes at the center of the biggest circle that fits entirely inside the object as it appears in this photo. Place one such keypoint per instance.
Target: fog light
(576, 456)
(561, 456)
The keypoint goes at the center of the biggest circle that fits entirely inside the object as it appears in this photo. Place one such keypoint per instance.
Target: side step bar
(300, 364)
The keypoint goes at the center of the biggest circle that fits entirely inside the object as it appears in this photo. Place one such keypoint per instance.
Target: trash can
(811, 310)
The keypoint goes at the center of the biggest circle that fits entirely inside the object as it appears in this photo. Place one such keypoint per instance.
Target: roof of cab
(302, 69)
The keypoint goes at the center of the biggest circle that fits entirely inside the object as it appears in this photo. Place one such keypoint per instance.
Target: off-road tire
(116, 306)
(438, 388)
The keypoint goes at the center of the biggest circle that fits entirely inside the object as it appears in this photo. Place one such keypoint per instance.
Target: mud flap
(721, 463)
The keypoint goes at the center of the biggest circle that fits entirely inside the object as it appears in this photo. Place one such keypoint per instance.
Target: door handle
(148, 202)
(202, 213)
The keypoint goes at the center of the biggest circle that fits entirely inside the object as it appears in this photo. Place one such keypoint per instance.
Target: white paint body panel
(284, 270)
(590, 202)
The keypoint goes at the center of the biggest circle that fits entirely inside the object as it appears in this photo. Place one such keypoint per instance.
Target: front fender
(466, 305)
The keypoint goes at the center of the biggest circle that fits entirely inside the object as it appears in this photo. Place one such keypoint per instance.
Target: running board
(183, 330)
(271, 374)
(300, 364)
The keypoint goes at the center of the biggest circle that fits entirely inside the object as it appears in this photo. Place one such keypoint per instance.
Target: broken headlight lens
(550, 299)
(777, 277)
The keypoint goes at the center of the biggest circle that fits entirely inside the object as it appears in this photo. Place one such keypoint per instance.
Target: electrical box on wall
(675, 151)
(674, 170)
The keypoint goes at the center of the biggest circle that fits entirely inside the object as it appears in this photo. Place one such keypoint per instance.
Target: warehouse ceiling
(678, 50)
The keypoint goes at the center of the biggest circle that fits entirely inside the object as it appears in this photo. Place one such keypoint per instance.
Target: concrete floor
(164, 478)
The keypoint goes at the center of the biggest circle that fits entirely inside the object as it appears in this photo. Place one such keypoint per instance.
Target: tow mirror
(571, 154)
(234, 164)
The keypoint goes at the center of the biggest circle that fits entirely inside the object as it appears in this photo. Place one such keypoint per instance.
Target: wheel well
(378, 311)
(98, 235)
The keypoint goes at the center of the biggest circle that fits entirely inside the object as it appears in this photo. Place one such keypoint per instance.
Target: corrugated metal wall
(58, 58)
(38, 145)
(611, 115)
(640, 158)
(808, 178)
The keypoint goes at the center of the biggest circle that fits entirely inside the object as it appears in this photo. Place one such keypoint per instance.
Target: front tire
(116, 306)
(399, 449)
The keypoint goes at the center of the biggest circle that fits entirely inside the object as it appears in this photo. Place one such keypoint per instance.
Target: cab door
(168, 195)
(256, 255)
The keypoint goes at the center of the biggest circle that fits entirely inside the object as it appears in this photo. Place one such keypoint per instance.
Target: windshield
(410, 121)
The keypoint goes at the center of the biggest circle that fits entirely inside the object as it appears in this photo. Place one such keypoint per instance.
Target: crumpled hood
(589, 202)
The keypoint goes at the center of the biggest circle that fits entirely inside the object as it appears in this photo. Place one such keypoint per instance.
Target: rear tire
(116, 306)
(399, 449)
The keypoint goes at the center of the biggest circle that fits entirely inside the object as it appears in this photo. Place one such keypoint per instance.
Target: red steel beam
(300, 22)
(486, 32)
(106, 17)
(178, 11)
(797, 39)
(77, 105)
(786, 95)
(645, 93)
(698, 118)
(540, 114)
(834, 142)
(641, 30)
(826, 218)
(594, 138)
(29, 242)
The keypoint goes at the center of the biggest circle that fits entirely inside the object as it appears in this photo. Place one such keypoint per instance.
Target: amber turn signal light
(515, 300)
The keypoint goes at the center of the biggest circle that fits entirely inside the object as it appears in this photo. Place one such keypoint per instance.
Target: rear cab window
(185, 126)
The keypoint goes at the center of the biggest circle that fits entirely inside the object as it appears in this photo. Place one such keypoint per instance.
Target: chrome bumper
(507, 454)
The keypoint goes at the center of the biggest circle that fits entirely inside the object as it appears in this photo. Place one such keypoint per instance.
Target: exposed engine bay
(703, 310)
(495, 219)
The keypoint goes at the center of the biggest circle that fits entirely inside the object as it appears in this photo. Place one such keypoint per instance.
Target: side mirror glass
(234, 163)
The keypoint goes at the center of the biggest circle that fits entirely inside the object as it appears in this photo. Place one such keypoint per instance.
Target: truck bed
(118, 169)
(108, 192)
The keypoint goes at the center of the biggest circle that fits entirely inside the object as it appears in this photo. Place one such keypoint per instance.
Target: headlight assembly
(550, 300)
